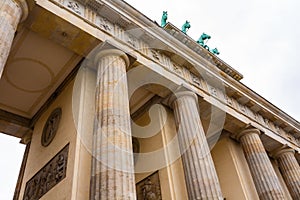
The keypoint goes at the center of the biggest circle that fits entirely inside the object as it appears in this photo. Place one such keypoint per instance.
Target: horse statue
(203, 37)
(164, 18)
(185, 26)
(215, 51)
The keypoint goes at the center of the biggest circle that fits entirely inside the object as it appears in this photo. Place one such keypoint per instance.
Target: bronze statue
(185, 26)
(164, 18)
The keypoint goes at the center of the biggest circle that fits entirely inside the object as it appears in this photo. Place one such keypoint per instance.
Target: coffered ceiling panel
(35, 68)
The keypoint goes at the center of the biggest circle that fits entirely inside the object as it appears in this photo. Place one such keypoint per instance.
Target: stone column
(290, 170)
(12, 12)
(265, 179)
(199, 170)
(112, 167)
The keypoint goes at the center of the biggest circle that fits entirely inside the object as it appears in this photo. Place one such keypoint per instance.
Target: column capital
(24, 7)
(282, 150)
(246, 132)
(180, 94)
(111, 52)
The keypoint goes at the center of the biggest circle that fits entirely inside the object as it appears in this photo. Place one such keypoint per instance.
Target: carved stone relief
(51, 127)
(103, 23)
(132, 40)
(74, 6)
(177, 69)
(213, 91)
(155, 54)
(228, 100)
(196, 80)
(49, 176)
(149, 188)
(242, 108)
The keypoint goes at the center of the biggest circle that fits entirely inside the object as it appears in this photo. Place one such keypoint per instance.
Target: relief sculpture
(51, 127)
(149, 188)
(50, 175)
(74, 6)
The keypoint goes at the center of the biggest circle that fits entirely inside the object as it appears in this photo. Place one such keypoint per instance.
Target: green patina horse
(164, 18)
(185, 26)
(203, 37)
(214, 51)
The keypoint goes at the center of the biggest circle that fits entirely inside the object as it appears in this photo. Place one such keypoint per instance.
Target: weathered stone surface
(112, 166)
(265, 179)
(11, 13)
(47, 177)
(200, 174)
(149, 188)
(290, 170)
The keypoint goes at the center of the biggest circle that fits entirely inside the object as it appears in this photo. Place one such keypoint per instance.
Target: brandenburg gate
(112, 105)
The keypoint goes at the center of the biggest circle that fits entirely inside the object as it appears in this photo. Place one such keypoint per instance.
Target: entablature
(195, 66)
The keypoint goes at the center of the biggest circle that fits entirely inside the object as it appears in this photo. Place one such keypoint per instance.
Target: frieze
(242, 108)
(177, 69)
(228, 100)
(272, 126)
(143, 47)
(47, 177)
(213, 91)
(132, 40)
(165, 61)
(196, 80)
(75, 7)
(250, 113)
(155, 54)
(186, 74)
(104, 24)
(119, 32)
(90, 15)
(149, 188)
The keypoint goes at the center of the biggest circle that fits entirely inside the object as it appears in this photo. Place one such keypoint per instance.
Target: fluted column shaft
(265, 179)
(290, 170)
(112, 166)
(11, 13)
(199, 170)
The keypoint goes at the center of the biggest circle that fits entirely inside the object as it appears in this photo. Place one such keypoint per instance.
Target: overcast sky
(259, 38)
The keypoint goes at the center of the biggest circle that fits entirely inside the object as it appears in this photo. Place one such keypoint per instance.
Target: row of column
(12, 12)
(112, 138)
(113, 168)
(265, 179)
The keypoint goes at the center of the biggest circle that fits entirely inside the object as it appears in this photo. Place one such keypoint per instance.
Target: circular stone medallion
(51, 127)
